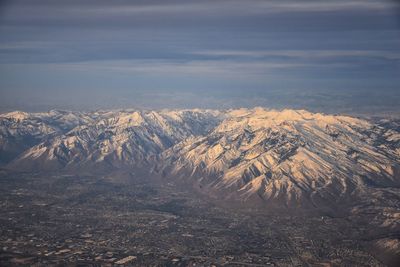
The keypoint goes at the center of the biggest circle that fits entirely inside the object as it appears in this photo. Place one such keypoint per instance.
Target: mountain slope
(20, 130)
(289, 156)
(120, 139)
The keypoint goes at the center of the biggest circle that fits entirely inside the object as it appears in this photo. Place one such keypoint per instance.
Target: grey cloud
(80, 46)
(135, 10)
(198, 68)
(301, 53)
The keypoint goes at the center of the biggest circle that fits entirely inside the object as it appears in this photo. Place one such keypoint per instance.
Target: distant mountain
(20, 130)
(116, 139)
(288, 157)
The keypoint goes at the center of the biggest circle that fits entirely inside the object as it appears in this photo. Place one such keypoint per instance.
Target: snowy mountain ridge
(293, 156)
(288, 156)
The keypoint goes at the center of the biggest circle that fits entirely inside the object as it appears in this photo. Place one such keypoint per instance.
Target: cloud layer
(237, 50)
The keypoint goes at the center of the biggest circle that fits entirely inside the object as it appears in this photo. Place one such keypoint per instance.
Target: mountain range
(259, 156)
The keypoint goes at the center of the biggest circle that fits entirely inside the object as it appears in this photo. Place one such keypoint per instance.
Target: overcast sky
(321, 55)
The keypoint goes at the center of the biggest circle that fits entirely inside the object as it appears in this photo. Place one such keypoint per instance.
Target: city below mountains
(256, 159)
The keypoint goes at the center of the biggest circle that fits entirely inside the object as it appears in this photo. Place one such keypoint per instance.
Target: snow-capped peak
(270, 155)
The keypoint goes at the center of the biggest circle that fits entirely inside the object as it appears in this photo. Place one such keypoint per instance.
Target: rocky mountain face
(114, 139)
(292, 157)
(20, 131)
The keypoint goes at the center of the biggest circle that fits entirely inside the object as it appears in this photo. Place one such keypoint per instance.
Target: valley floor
(85, 220)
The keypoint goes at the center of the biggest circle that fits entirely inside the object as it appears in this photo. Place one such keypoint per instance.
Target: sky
(332, 56)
